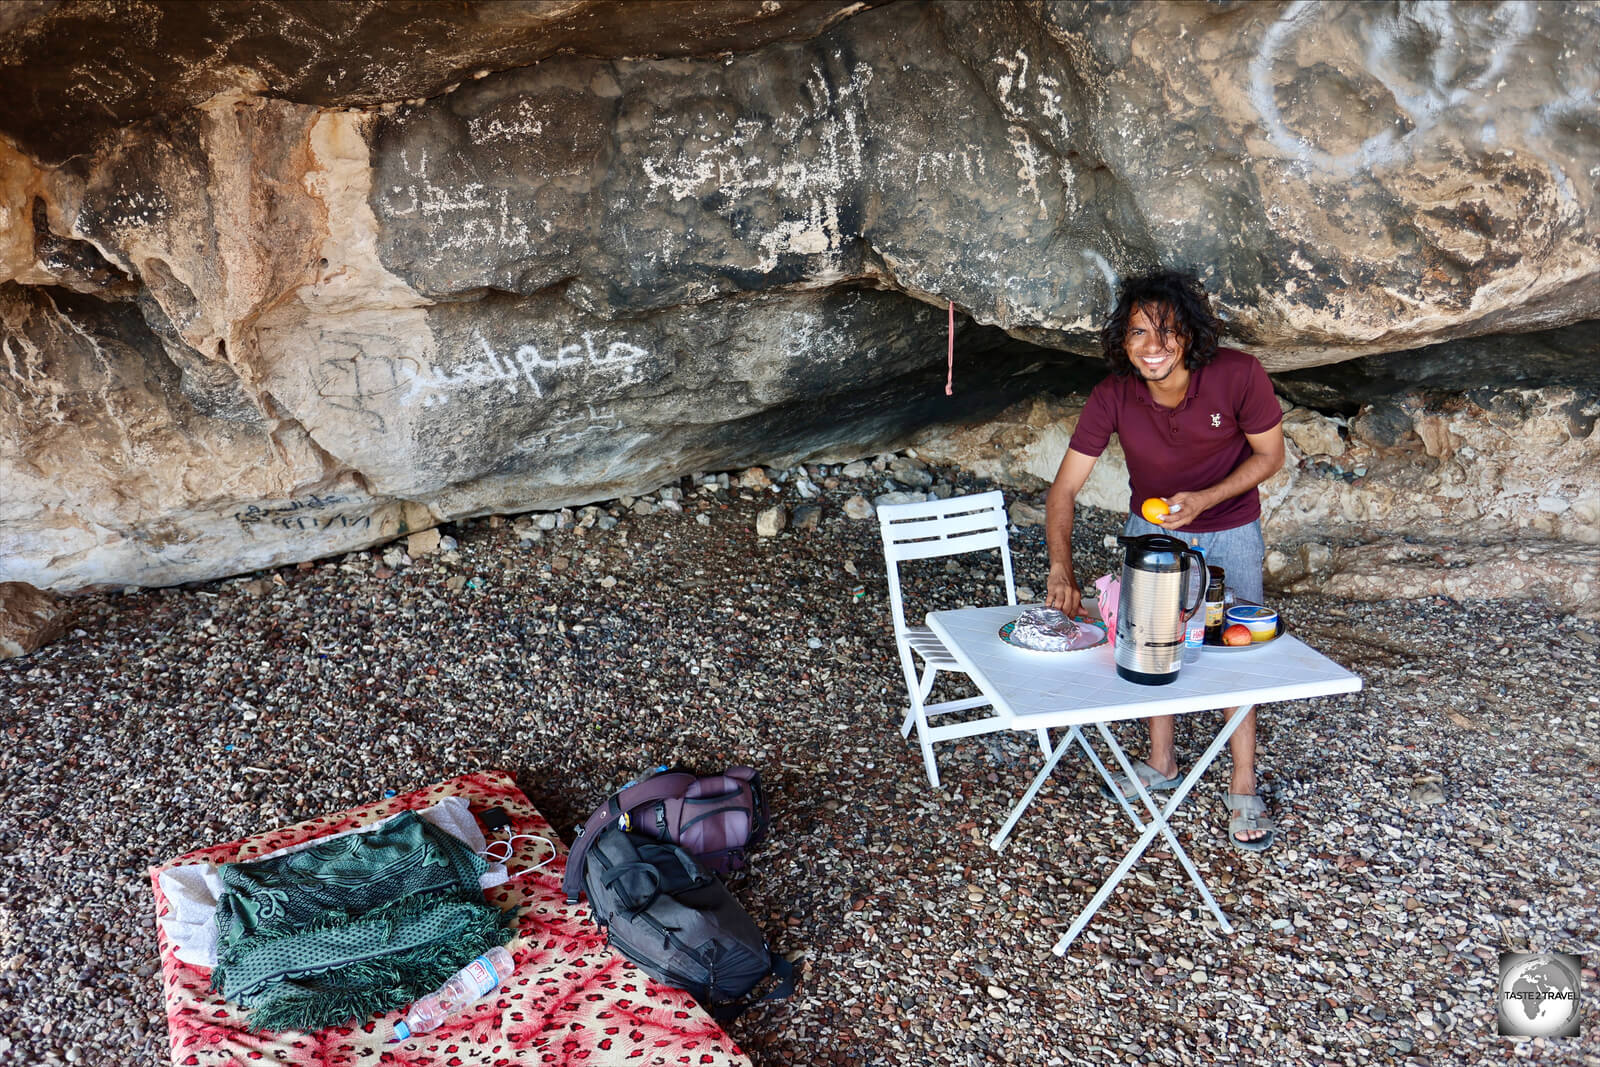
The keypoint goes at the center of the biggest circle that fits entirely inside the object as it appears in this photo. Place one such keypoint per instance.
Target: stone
(771, 521)
(807, 517)
(886, 499)
(1427, 791)
(423, 543)
(754, 478)
(1022, 513)
(1313, 434)
(29, 619)
(910, 472)
(857, 507)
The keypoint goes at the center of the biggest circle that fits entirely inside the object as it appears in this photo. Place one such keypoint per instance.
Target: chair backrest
(951, 527)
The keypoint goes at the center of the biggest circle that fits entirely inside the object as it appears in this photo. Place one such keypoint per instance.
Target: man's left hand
(1186, 507)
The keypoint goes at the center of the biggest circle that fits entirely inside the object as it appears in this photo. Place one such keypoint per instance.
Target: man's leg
(1239, 552)
(1242, 746)
(1162, 757)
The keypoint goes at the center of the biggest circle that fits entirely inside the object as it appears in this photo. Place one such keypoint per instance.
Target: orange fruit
(1154, 510)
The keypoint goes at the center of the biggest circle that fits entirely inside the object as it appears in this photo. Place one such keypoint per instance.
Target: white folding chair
(956, 526)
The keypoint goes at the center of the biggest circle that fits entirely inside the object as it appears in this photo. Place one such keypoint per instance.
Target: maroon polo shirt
(1192, 446)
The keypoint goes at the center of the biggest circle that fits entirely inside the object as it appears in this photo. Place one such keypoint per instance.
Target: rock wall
(276, 288)
(1417, 495)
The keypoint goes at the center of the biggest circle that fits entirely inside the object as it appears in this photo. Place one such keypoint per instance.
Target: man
(1201, 428)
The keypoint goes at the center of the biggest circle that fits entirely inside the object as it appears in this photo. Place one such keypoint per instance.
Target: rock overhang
(730, 241)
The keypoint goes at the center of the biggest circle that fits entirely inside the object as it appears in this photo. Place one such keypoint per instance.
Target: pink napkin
(1109, 588)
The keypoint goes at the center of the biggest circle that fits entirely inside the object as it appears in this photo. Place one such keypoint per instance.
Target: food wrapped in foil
(1049, 630)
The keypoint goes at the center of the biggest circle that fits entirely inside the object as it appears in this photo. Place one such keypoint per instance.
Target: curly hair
(1177, 301)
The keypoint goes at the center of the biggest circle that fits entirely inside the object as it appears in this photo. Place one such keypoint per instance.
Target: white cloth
(193, 890)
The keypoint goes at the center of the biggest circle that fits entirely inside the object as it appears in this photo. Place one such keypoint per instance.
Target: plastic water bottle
(1194, 635)
(470, 984)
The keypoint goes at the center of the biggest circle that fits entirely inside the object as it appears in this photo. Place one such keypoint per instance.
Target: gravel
(1439, 817)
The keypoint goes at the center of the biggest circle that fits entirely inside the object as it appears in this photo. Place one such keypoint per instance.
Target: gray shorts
(1238, 551)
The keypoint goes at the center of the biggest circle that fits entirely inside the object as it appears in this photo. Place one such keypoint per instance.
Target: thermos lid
(1154, 552)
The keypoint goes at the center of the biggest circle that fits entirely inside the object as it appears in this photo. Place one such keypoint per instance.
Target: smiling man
(1200, 428)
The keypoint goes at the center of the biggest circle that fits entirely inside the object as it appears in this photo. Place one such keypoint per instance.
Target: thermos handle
(1193, 574)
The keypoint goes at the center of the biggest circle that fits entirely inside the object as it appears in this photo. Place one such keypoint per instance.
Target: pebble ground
(1441, 816)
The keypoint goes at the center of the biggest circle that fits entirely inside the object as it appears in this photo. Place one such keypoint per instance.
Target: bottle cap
(401, 1030)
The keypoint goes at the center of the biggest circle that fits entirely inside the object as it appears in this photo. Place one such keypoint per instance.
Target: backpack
(677, 922)
(716, 818)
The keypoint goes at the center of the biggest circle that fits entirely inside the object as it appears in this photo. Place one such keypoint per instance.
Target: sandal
(1248, 812)
(1153, 780)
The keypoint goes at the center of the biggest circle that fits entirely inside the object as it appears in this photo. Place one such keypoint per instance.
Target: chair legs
(918, 714)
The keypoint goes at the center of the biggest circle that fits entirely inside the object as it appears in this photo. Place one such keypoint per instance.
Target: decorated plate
(1089, 635)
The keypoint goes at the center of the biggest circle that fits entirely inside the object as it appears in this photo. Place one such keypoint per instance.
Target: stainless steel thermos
(1163, 581)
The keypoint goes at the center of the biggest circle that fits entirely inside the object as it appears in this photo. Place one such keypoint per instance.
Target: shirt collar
(1143, 391)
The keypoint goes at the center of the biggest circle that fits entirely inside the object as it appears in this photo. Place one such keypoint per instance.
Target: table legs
(998, 842)
(1158, 823)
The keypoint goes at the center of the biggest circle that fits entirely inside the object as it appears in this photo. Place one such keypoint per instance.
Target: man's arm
(1061, 588)
(1265, 460)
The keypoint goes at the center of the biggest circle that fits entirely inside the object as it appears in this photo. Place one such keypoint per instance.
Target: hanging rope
(950, 357)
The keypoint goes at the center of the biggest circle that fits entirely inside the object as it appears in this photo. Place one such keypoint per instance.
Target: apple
(1237, 634)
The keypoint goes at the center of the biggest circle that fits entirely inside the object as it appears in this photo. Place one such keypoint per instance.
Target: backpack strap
(624, 870)
(760, 817)
(783, 969)
(661, 787)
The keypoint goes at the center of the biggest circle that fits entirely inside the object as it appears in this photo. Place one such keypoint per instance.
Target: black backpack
(716, 817)
(677, 922)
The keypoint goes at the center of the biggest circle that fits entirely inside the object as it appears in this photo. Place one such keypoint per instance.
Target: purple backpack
(714, 818)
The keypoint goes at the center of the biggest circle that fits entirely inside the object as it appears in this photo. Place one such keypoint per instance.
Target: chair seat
(926, 644)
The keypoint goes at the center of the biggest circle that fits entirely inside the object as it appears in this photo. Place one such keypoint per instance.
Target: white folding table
(1077, 689)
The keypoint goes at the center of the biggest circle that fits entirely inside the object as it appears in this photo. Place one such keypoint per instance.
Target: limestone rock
(1564, 575)
(29, 619)
(103, 76)
(1516, 478)
(1313, 434)
(857, 507)
(422, 543)
(328, 285)
(1022, 513)
(770, 522)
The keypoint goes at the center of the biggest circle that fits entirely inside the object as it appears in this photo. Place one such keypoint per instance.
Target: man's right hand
(1061, 593)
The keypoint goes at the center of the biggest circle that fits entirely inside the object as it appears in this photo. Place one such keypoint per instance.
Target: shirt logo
(1216, 420)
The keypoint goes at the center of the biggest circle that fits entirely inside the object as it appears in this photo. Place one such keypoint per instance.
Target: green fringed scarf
(353, 926)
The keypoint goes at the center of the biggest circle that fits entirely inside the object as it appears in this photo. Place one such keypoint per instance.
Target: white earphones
(510, 843)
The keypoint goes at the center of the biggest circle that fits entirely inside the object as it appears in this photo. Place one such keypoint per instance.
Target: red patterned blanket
(571, 1000)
